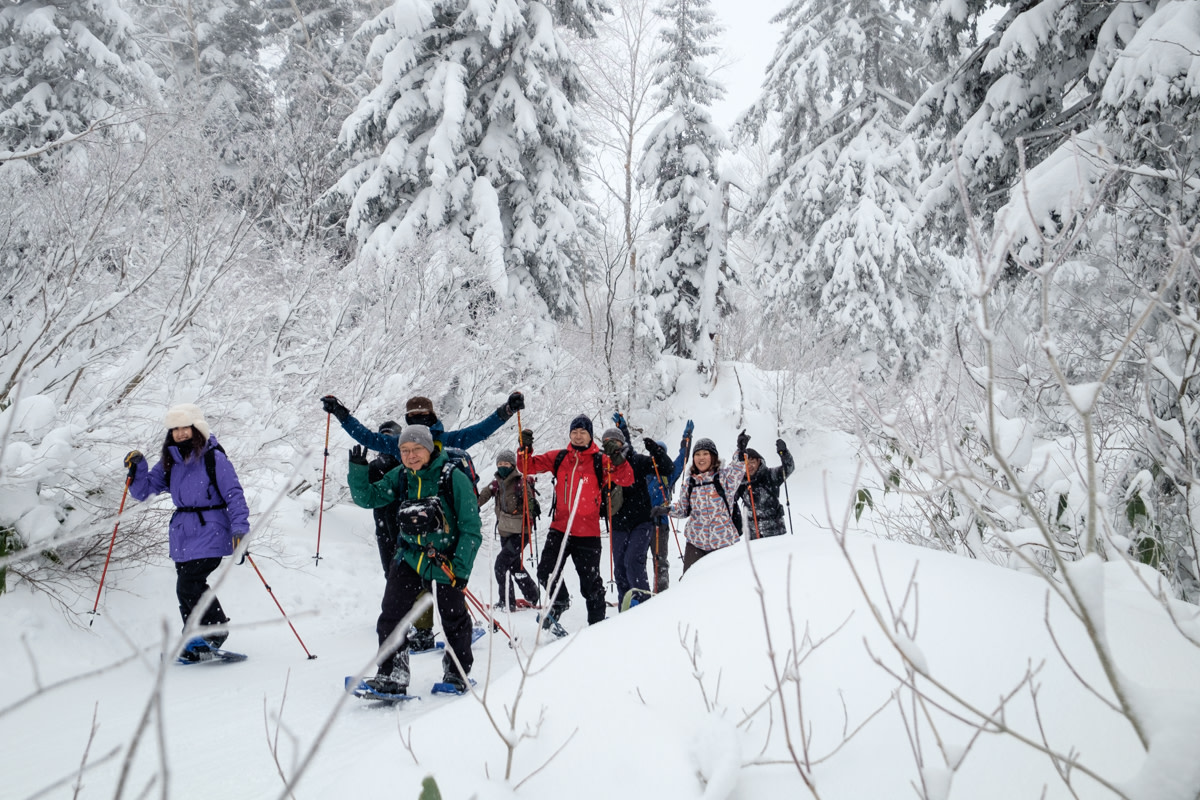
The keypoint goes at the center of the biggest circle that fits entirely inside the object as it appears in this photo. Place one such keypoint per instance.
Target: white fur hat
(184, 414)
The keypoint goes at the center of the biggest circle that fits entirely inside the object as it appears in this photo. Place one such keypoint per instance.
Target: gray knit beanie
(613, 433)
(417, 434)
(506, 456)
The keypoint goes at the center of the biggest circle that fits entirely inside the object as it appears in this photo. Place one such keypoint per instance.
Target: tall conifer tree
(688, 273)
(471, 128)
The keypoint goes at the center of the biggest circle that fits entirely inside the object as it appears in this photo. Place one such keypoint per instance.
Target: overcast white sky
(748, 43)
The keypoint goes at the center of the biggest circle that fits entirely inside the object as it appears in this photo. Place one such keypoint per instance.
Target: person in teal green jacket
(440, 533)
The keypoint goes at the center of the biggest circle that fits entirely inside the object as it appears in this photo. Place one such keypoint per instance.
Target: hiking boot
(392, 677)
(452, 678)
(419, 641)
(385, 684)
(197, 649)
(502, 606)
(215, 640)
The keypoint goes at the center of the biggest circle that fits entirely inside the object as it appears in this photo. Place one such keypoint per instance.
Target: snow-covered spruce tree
(1117, 205)
(1033, 76)
(210, 51)
(472, 127)
(316, 83)
(688, 269)
(834, 212)
(68, 69)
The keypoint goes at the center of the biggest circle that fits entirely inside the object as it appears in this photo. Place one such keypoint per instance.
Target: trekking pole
(787, 499)
(281, 611)
(750, 491)
(525, 526)
(111, 542)
(670, 521)
(612, 574)
(321, 505)
(440, 560)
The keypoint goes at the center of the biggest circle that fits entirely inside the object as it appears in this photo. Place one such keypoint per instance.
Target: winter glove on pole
(780, 446)
(515, 402)
(685, 444)
(237, 542)
(527, 442)
(742, 441)
(660, 511)
(334, 406)
(132, 459)
(358, 455)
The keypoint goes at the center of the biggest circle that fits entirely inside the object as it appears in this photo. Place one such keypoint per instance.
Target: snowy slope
(671, 700)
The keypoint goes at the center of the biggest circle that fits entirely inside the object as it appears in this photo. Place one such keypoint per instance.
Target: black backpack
(611, 496)
(462, 459)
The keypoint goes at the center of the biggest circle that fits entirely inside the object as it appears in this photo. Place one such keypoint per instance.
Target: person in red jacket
(579, 471)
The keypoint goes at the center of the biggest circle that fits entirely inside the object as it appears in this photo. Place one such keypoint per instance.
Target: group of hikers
(422, 488)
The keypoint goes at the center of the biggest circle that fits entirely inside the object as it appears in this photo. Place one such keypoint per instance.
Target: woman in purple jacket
(210, 516)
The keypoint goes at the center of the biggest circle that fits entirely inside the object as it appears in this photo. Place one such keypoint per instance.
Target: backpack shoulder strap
(558, 459)
(598, 465)
(210, 466)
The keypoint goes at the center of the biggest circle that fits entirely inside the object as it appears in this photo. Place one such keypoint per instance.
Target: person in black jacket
(762, 513)
(632, 522)
(387, 528)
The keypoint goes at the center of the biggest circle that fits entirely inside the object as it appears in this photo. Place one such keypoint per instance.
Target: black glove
(237, 542)
(334, 406)
(459, 583)
(516, 402)
(358, 455)
(651, 446)
(132, 459)
(660, 511)
(780, 446)
(527, 440)
(742, 441)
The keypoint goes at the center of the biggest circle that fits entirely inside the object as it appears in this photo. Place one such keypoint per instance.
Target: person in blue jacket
(210, 519)
(419, 411)
(660, 544)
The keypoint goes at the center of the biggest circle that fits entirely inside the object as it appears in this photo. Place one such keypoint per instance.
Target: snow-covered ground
(671, 700)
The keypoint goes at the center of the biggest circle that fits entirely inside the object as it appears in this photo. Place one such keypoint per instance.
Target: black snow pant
(584, 551)
(692, 554)
(629, 558)
(404, 586)
(660, 547)
(510, 570)
(191, 582)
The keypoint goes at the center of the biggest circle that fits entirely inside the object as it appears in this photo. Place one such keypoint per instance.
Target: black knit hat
(752, 453)
(706, 444)
(582, 421)
(390, 428)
